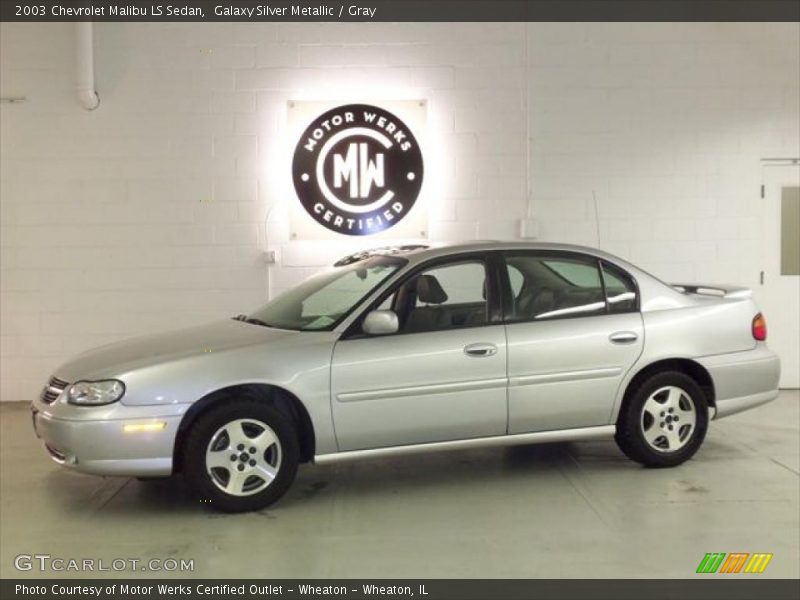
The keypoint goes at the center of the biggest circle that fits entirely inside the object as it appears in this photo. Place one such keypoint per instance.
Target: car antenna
(596, 218)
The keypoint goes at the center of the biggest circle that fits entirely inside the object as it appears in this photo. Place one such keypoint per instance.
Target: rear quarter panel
(714, 326)
(708, 327)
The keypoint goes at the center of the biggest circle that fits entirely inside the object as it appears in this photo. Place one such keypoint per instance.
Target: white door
(779, 293)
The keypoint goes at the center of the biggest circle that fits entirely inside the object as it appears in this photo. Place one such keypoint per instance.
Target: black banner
(714, 587)
(400, 10)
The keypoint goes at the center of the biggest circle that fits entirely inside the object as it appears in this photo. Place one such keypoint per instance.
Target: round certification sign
(357, 169)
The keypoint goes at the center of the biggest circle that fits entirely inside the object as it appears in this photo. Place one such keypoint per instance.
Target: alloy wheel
(243, 457)
(668, 419)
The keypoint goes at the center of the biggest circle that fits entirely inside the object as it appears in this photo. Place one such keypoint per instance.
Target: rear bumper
(103, 446)
(743, 380)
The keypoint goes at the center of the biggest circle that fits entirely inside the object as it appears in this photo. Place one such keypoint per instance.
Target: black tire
(202, 483)
(632, 422)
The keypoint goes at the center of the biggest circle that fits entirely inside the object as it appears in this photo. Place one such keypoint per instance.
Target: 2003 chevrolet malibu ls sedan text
(416, 348)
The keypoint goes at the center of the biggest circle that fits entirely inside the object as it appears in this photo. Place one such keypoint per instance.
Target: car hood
(117, 359)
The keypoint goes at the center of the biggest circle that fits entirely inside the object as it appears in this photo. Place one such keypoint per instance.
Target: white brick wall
(150, 212)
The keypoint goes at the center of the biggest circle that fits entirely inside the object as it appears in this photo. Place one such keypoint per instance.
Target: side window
(621, 294)
(444, 297)
(555, 286)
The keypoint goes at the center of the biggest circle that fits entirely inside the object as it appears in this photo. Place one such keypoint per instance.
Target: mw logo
(735, 562)
(356, 168)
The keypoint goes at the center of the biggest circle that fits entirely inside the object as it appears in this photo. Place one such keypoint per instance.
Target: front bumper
(743, 380)
(94, 439)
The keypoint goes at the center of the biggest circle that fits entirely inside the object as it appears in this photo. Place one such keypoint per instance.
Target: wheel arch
(264, 392)
(690, 367)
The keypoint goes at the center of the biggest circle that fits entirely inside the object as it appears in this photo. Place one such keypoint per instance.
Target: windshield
(321, 301)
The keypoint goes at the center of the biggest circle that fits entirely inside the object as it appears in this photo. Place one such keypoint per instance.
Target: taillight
(759, 328)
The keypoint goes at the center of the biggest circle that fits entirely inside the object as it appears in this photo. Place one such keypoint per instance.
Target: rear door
(574, 329)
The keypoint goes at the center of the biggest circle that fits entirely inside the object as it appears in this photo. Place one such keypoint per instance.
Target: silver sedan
(416, 348)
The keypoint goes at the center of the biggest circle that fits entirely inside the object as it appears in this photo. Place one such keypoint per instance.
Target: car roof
(416, 253)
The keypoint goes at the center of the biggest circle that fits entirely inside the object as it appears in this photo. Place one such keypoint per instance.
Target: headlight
(94, 393)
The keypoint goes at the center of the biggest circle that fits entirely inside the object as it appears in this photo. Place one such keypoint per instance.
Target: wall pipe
(87, 95)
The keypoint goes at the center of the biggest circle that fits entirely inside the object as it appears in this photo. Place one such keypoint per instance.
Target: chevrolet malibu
(416, 348)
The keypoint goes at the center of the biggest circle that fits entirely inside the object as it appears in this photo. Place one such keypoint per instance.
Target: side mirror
(381, 322)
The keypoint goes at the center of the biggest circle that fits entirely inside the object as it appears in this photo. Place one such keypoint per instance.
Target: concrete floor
(565, 510)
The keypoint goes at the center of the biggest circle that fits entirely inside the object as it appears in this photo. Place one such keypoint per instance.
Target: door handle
(479, 350)
(623, 337)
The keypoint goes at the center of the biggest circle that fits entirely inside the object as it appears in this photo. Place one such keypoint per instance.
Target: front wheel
(241, 455)
(665, 420)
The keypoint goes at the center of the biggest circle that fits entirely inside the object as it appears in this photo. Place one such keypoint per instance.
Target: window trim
(494, 292)
(637, 304)
(598, 261)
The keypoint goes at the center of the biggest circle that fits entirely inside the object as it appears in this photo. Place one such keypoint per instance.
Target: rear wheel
(241, 455)
(665, 420)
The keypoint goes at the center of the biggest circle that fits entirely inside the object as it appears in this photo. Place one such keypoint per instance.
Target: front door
(441, 377)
